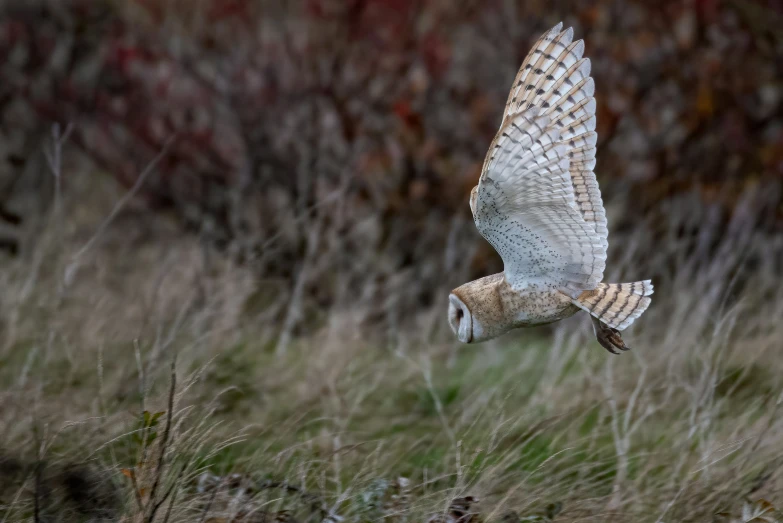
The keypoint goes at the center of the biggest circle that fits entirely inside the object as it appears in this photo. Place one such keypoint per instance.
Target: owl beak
(460, 319)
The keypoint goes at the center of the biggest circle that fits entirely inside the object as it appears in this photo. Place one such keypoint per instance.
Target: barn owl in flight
(538, 203)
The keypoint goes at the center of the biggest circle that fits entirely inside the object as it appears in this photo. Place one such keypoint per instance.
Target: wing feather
(525, 207)
(526, 68)
(537, 201)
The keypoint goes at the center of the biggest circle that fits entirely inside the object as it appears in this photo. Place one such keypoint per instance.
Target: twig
(154, 506)
(171, 492)
(171, 506)
(136, 492)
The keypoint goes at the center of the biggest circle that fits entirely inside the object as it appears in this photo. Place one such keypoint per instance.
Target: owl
(538, 204)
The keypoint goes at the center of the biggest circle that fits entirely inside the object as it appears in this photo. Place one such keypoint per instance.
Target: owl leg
(608, 337)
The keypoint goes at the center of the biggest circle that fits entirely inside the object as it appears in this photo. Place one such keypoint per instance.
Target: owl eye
(460, 315)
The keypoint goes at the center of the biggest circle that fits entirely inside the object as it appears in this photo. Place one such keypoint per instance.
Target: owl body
(538, 204)
(495, 307)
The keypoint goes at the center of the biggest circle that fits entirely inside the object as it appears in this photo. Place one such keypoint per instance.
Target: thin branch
(136, 491)
(164, 444)
(169, 492)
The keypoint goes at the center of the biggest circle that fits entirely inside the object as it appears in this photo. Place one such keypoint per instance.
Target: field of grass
(143, 377)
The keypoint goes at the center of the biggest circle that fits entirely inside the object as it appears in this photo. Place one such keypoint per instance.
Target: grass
(542, 423)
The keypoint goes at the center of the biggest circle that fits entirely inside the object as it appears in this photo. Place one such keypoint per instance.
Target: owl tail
(616, 305)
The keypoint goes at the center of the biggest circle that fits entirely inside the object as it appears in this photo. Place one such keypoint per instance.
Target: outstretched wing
(537, 201)
(555, 77)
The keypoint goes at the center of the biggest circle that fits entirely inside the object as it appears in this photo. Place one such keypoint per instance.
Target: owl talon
(608, 337)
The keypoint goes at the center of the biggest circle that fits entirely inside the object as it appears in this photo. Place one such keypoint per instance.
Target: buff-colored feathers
(617, 304)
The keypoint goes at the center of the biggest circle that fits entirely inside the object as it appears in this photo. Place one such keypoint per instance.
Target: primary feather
(556, 78)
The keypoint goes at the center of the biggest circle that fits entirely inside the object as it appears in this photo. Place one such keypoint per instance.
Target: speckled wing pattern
(537, 201)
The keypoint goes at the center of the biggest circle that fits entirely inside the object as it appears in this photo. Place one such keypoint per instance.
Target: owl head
(475, 310)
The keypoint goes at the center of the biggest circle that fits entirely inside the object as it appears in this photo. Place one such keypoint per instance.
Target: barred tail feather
(617, 304)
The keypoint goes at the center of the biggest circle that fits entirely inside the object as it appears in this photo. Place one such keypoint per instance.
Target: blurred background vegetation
(277, 192)
(373, 116)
